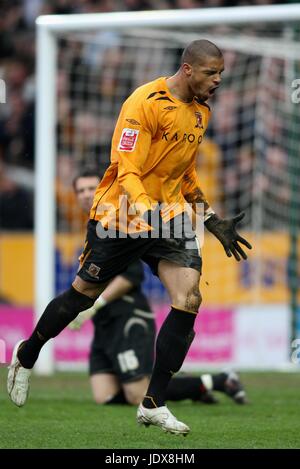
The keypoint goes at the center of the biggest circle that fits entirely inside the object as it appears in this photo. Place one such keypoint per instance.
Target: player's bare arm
(223, 229)
(196, 196)
(117, 288)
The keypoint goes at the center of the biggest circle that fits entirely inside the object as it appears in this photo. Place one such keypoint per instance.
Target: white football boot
(163, 418)
(18, 379)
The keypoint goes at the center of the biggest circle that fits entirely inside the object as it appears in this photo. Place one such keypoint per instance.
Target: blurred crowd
(17, 69)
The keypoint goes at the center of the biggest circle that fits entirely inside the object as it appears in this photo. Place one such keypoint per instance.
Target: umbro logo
(170, 108)
(133, 121)
(156, 92)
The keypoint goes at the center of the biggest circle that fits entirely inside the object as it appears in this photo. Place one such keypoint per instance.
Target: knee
(188, 300)
(195, 300)
(90, 290)
(101, 398)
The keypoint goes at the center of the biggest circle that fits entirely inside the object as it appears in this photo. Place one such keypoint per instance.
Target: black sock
(117, 399)
(172, 344)
(219, 381)
(58, 314)
(185, 387)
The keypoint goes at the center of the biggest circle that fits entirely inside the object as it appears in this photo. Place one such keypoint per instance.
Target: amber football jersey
(153, 153)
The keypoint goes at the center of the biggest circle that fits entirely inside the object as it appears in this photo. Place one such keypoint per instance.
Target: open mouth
(212, 90)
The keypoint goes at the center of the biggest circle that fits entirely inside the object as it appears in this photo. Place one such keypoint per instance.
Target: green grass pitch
(60, 414)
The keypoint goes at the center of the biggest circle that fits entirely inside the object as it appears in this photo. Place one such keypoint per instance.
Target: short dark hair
(199, 50)
(88, 172)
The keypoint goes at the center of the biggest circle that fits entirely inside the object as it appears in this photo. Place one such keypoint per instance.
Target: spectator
(16, 208)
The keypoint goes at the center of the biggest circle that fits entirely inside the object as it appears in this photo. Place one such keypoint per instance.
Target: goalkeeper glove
(87, 314)
(226, 233)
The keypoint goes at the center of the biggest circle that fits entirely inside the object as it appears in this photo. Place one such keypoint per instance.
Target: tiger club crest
(93, 271)
(199, 124)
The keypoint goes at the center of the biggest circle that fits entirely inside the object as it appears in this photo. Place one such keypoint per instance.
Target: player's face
(205, 78)
(85, 190)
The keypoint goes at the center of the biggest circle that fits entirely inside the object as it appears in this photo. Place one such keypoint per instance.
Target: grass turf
(60, 414)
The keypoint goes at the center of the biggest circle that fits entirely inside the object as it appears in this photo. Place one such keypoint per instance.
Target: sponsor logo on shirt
(178, 137)
(128, 139)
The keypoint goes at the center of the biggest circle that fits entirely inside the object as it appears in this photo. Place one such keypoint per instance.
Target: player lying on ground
(153, 152)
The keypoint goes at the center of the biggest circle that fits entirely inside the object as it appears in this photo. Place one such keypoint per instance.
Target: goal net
(248, 161)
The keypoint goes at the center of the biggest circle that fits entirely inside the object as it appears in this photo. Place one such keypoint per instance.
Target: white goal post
(49, 29)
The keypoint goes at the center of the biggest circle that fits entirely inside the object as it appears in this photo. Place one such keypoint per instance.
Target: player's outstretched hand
(225, 231)
(82, 317)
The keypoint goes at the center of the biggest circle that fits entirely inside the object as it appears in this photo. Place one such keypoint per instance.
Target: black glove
(226, 233)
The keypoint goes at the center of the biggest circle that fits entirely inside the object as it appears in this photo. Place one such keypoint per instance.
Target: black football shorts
(104, 258)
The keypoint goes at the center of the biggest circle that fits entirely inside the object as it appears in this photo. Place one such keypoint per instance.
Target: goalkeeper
(122, 350)
(153, 152)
